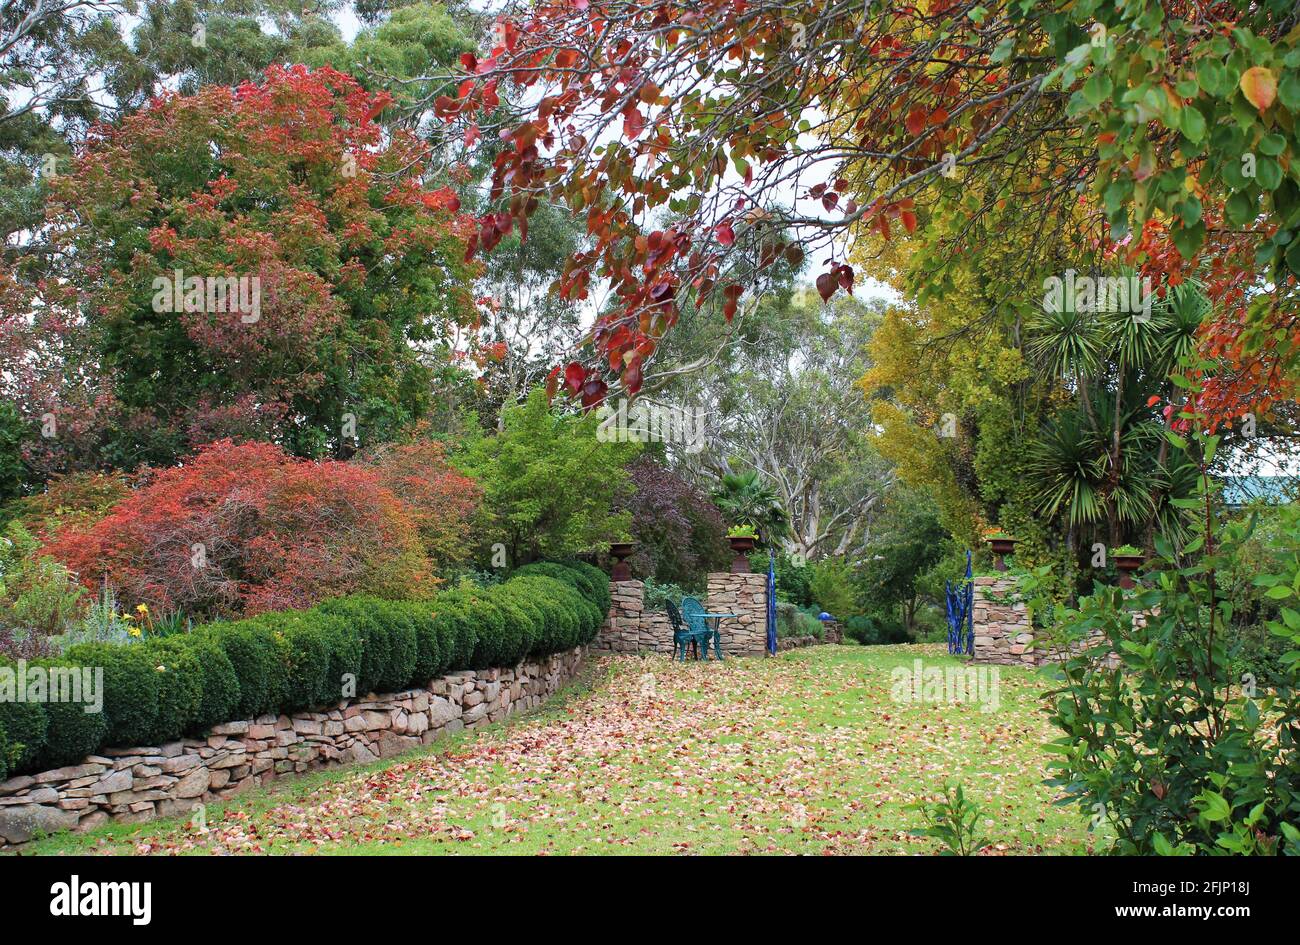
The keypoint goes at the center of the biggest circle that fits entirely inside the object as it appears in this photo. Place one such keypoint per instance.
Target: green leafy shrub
(569, 615)
(25, 726)
(657, 595)
(831, 588)
(431, 653)
(131, 689)
(218, 684)
(402, 649)
(954, 821)
(388, 640)
(304, 649)
(457, 632)
(256, 660)
(575, 574)
(507, 636)
(376, 641)
(158, 690)
(345, 656)
(876, 629)
(71, 732)
(39, 597)
(180, 688)
(1172, 750)
(543, 624)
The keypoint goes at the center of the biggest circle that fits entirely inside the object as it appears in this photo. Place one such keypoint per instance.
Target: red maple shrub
(244, 528)
(440, 500)
(245, 263)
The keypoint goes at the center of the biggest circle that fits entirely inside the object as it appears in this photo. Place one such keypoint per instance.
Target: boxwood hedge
(288, 661)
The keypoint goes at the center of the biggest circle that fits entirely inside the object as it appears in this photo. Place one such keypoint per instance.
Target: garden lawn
(803, 753)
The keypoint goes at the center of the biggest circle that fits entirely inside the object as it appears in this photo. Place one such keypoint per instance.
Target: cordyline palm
(1103, 463)
(745, 499)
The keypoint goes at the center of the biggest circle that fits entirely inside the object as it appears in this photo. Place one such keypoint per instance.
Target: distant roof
(1240, 490)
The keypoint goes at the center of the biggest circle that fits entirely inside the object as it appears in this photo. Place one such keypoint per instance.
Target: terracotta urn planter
(741, 546)
(620, 551)
(1001, 545)
(1126, 565)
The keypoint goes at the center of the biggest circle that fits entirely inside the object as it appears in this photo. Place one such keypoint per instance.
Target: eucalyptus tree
(778, 392)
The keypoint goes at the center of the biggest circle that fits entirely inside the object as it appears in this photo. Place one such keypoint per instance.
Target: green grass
(805, 753)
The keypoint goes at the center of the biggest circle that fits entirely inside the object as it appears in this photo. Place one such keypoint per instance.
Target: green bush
(657, 595)
(590, 581)
(508, 636)
(376, 642)
(542, 622)
(24, 724)
(304, 650)
(180, 688)
(876, 629)
(388, 641)
(431, 656)
(403, 649)
(158, 690)
(256, 661)
(131, 689)
(1178, 754)
(569, 614)
(71, 732)
(345, 656)
(457, 633)
(218, 684)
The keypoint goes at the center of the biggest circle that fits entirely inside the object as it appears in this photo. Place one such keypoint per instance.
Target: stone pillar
(832, 632)
(1003, 633)
(630, 628)
(745, 595)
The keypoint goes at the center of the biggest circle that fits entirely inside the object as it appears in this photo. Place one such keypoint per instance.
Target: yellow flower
(142, 609)
(134, 631)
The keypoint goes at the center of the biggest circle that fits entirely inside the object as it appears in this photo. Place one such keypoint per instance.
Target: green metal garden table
(717, 633)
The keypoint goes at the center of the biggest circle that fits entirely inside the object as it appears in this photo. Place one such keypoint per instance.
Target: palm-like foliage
(1102, 463)
(1074, 465)
(746, 500)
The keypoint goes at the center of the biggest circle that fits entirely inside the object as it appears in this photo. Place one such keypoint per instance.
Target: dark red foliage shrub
(679, 532)
(245, 528)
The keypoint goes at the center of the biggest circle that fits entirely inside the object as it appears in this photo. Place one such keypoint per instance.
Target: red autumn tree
(681, 131)
(286, 192)
(440, 501)
(246, 528)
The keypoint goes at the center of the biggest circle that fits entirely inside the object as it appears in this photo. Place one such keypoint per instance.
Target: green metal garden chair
(694, 613)
(684, 634)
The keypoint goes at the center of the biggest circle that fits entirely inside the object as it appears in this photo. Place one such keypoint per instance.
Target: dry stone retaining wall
(140, 783)
(632, 628)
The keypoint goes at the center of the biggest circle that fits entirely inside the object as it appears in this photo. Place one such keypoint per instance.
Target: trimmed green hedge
(294, 660)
